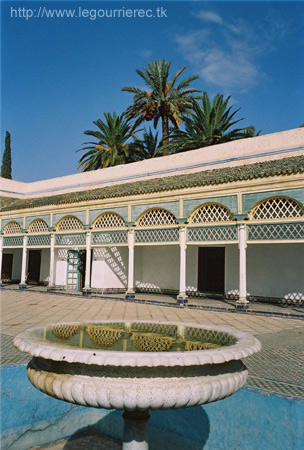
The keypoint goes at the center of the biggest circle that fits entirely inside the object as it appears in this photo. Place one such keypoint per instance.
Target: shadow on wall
(193, 425)
(112, 257)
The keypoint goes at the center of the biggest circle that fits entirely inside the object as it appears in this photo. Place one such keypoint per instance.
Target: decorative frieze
(275, 231)
(70, 239)
(12, 241)
(157, 235)
(207, 234)
(109, 237)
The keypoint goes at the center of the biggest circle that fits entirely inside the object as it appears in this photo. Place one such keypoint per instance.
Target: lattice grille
(114, 237)
(212, 234)
(152, 342)
(12, 228)
(109, 220)
(64, 331)
(276, 231)
(156, 216)
(211, 213)
(212, 336)
(103, 336)
(39, 240)
(277, 208)
(38, 226)
(70, 239)
(13, 241)
(70, 223)
(158, 235)
(157, 328)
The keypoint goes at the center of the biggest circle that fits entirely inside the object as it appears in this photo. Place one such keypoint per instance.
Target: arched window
(69, 223)
(211, 212)
(12, 228)
(109, 220)
(38, 226)
(277, 208)
(156, 216)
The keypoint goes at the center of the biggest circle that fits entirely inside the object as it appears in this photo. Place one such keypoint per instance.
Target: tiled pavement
(214, 304)
(277, 368)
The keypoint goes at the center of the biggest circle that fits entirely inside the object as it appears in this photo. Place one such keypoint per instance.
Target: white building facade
(222, 220)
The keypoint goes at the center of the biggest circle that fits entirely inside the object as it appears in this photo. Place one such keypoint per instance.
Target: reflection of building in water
(227, 219)
(133, 336)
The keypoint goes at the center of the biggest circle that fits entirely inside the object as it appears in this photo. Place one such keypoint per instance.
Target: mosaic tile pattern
(279, 366)
(9, 354)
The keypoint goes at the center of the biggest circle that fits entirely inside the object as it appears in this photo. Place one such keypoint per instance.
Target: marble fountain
(137, 366)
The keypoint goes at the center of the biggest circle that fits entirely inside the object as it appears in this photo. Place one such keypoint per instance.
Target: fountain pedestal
(135, 435)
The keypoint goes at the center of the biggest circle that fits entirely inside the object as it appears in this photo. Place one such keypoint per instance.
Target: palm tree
(147, 147)
(111, 147)
(165, 100)
(250, 132)
(208, 124)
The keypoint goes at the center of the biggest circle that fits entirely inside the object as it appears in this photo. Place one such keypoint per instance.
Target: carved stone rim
(245, 346)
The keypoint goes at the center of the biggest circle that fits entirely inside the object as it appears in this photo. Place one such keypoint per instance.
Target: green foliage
(111, 147)
(208, 124)
(165, 100)
(6, 167)
(147, 147)
(250, 132)
(171, 102)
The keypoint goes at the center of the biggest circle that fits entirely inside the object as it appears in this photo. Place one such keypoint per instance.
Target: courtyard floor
(277, 368)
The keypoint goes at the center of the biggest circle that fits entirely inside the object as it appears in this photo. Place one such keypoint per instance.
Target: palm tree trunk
(165, 133)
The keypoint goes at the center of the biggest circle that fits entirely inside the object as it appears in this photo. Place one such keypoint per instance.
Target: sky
(58, 75)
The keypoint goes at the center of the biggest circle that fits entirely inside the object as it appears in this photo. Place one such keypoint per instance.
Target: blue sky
(61, 74)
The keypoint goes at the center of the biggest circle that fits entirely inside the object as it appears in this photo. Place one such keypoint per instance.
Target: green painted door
(73, 272)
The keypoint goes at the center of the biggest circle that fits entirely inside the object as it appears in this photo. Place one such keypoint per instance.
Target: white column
(1, 255)
(52, 260)
(131, 262)
(242, 264)
(23, 267)
(182, 267)
(88, 262)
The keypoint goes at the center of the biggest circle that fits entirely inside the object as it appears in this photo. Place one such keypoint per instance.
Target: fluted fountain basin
(137, 366)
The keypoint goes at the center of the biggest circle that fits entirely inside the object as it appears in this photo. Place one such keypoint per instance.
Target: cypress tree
(6, 168)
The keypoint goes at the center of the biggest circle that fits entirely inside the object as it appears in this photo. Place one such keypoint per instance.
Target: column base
(22, 286)
(182, 299)
(50, 288)
(86, 292)
(242, 305)
(130, 294)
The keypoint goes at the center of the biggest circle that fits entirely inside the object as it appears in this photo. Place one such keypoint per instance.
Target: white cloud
(209, 16)
(224, 56)
(145, 53)
(229, 70)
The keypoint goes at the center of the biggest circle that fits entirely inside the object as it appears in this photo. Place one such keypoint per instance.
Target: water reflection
(134, 336)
